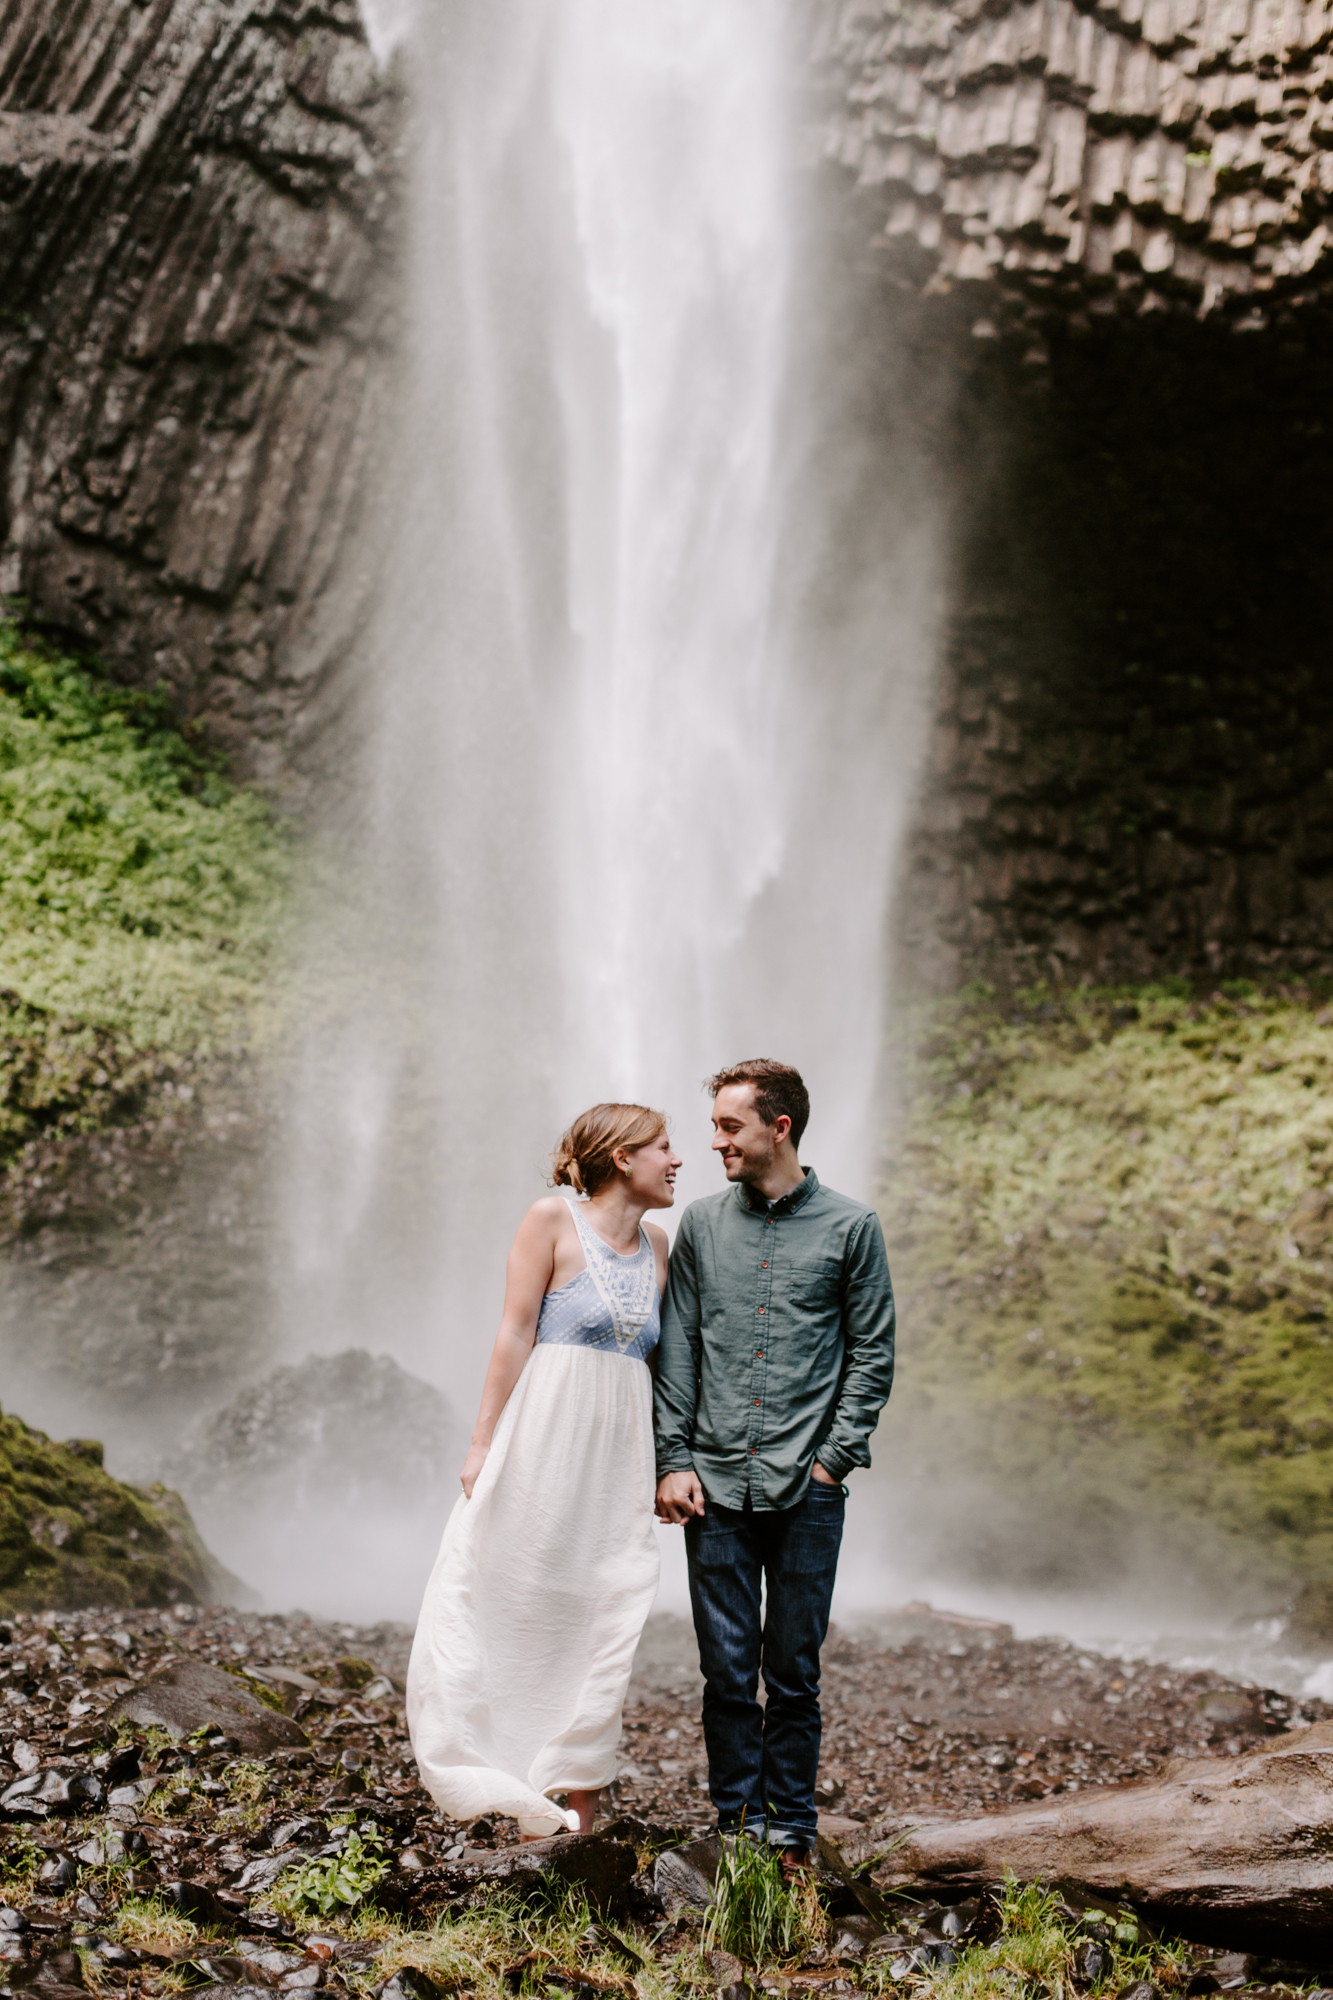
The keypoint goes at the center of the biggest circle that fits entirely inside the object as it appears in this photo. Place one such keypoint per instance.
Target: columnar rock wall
(196, 210)
(1144, 154)
(1131, 772)
(1126, 203)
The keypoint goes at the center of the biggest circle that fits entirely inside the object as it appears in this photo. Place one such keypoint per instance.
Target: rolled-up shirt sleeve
(676, 1390)
(868, 1335)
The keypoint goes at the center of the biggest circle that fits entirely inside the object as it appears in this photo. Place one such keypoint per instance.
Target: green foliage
(343, 1880)
(139, 890)
(1033, 1957)
(1111, 1214)
(755, 1914)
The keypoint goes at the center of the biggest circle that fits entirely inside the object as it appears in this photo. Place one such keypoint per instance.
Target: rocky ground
(252, 1819)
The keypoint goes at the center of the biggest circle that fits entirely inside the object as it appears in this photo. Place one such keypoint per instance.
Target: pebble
(921, 1711)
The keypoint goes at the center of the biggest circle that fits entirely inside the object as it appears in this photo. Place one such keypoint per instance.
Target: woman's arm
(527, 1278)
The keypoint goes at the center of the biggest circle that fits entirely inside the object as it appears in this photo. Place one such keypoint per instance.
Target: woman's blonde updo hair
(583, 1159)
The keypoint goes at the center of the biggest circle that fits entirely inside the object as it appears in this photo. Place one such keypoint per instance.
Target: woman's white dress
(545, 1576)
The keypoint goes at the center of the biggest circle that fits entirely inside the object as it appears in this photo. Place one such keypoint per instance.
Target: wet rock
(197, 1902)
(289, 1830)
(242, 1990)
(409, 1983)
(60, 1968)
(1235, 1849)
(222, 1968)
(264, 1871)
(684, 1876)
(851, 1937)
(603, 1869)
(61, 1872)
(187, 1695)
(48, 1792)
(1090, 1963)
(119, 1955)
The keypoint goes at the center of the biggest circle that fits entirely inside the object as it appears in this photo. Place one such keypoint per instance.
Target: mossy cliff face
(1112, 1227)
(140, 900)
(70, 1534)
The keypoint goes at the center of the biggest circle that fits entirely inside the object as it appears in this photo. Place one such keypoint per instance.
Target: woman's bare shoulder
(657, 1236)
(548, 1208)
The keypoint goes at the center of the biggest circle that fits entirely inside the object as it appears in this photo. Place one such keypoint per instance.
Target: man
(775, 1360)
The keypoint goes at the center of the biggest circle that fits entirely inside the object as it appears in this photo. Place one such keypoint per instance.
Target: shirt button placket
(757, 1366)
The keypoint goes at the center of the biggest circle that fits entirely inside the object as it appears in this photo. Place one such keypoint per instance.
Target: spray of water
(634, 735)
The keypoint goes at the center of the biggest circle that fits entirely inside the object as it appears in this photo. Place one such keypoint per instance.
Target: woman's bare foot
(585, 1805)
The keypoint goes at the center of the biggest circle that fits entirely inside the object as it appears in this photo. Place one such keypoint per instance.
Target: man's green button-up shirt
(777, 1342)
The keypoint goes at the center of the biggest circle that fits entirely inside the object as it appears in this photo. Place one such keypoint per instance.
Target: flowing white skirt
(543, 1582)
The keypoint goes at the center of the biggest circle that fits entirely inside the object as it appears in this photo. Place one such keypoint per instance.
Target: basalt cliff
(1111, 219)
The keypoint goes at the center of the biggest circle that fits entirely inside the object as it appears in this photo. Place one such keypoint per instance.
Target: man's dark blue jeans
(762, 1762)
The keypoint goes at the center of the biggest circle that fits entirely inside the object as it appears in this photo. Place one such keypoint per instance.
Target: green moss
(1110, 1217)
(141, 905)
(141, 895)
(71, 1535)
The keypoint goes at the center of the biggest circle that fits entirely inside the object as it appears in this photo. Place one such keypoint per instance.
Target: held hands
(679, 1496)
(472, 1465)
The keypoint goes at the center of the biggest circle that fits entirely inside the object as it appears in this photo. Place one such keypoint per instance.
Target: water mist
(636, 726)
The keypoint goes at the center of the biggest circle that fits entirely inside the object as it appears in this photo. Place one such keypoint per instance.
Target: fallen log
(1226, 1850)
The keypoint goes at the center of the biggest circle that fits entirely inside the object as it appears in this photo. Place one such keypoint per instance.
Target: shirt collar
(786, 1204)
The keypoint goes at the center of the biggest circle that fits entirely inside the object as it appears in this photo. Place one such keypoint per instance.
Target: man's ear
(781, 1128)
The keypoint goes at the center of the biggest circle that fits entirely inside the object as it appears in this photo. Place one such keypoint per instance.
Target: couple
(773, 1356)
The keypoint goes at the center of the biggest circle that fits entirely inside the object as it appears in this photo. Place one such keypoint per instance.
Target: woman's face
(652, 1172)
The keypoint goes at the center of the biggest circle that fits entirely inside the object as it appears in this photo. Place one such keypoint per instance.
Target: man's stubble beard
(751, 1171)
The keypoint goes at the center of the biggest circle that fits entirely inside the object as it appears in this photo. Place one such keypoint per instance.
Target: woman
(548, 1567)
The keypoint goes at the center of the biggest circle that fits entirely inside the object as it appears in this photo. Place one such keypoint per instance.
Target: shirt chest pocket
(813, 1282)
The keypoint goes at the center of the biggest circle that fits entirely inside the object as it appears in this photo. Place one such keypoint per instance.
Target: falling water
(637, 723)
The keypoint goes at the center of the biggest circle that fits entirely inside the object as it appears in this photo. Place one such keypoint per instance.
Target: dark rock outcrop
(337, 1467)
(196, 242)
(329, 1432)
(70, 1534)
(1128, 776)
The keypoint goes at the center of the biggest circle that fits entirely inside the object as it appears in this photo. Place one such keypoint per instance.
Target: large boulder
(352, 1457)
(1235, 1850)
(187, 1695)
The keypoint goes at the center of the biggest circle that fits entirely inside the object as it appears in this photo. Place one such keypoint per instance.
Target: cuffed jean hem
(774, 1834)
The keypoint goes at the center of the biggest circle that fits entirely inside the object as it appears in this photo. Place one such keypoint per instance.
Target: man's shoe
(796, 1862)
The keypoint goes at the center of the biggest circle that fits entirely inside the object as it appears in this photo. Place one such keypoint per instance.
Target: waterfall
(630, 747)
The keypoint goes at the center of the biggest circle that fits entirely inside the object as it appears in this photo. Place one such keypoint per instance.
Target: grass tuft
(755, 1914)
(147, 1923)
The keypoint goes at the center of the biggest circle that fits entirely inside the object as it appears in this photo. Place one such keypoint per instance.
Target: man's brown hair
(779, 1091)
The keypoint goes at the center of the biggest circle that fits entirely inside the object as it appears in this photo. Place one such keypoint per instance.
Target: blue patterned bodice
(613, 1303)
